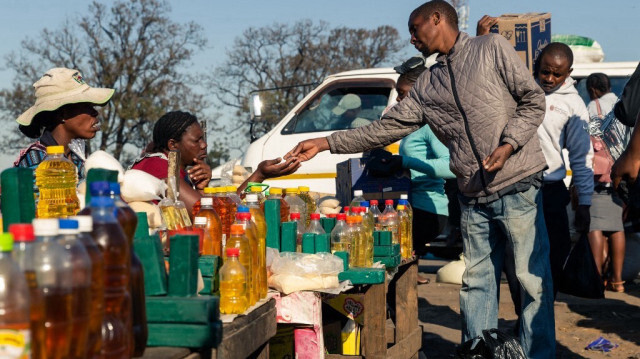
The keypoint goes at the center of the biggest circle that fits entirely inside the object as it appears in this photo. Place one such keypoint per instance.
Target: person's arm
(271, 169)
(401, 120)
(437, 167)
(188, 195)
(578, 143)
(200, 174)
(628, 165)
(530, 108)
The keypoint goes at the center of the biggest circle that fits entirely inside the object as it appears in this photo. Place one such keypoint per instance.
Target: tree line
(135, 47)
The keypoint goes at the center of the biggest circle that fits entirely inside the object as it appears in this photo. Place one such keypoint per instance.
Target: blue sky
(613, 23)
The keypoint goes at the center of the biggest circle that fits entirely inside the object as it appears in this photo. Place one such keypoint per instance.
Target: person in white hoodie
(564, 127)
(602, 99)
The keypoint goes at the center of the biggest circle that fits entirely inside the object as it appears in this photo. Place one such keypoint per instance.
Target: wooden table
(382, 338)
(247, 336)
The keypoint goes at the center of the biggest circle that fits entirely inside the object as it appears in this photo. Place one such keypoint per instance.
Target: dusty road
(578, 321)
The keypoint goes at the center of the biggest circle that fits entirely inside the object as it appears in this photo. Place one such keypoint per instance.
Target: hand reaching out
(306, 150)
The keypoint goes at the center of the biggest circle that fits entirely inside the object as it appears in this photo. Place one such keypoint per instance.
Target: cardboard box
(528, 33)
(353, 175)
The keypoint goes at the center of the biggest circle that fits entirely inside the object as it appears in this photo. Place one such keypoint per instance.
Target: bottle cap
(347, 209)
(101, 202)
(357, 193)
(6, 241)
(99, 188)
(233, 189)
(403, 202)
(46, 226)
(114, 188)
(331, 215)
(404, 196)
(292, 190)
(64, 223)
(365, 203)
(206, 201)
(251, 198)
(22, 232)
(341, 216)
(85, 223)
(303, 189)
(351, 219)
(200, 221)
(233, 252)
(358, 219)
(275, 190)
(315, 216)
(209, 190)
(55, 150)
(294, 215)
(237, 229)
(374, 202)
(388, 202)
(245, 216)
(243, 209)
(255, 189)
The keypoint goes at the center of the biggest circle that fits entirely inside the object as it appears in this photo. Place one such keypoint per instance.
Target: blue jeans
(514, 223)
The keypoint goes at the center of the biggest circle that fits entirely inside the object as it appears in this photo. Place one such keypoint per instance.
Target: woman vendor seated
(63, 115)
(178, 131)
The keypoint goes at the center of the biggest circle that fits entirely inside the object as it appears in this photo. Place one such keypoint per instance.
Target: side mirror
(255, 104)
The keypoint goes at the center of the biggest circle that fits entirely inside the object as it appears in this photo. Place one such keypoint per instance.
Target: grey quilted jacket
(475, 98)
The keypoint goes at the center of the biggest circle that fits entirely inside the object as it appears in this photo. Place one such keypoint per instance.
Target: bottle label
(15, 344)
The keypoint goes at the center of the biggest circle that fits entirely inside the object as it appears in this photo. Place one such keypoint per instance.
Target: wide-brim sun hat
(62, 86)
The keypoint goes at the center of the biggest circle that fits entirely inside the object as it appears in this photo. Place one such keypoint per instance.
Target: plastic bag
(493, 344)
(101, 159)
(139, 186)
(293, 272)
(579, 275)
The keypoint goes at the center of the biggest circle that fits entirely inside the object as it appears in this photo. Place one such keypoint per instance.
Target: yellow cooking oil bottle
(233, 284)
(56, 179)
(404, 231)
(239, 240)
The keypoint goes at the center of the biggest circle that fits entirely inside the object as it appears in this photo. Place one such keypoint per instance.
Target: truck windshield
(340, 109)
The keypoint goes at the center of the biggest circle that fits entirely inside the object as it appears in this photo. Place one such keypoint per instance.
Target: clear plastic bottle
(303, 193)
(260, 222)
(212, 243)
(108, 234)
(24, 240)
(377, 215)
(56, 178)
(15, 322)
(314, 225)
(390, 221)
(296, 204)
(81, 289)
(276, 193)
(357, 198)
(407, 206)
(94, 341)
(367, 217)
(339, 237)
(222, 206)
(240, 241)
(365, 244)
(243, 218)
(354, 238)
(232, 192)
(53, 269)
(233, 284)
(257, 190)
(404, 230)
(300, 229)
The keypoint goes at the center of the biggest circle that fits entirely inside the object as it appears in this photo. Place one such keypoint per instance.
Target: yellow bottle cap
(232, 189)
(292, 190)
(400, 207)
(275, 190)
(303, 189)
(55, 150)
(255, 189)
(209, 190)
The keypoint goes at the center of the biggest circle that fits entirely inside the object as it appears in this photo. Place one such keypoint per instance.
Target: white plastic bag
(452, 272)
(139, 186)
(292, 272)
(101, 159)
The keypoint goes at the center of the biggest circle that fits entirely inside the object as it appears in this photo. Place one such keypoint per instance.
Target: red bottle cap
(295, 215)
(331, 215)
(315, 215)
(22, 232)
(388, 202)
(346, 209)
(233, 252)
(373, 202)
(342, 216)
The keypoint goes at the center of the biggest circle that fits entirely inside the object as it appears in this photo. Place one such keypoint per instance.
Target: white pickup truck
(314, 117)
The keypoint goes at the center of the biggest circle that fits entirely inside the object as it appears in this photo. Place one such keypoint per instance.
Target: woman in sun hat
(63, 115)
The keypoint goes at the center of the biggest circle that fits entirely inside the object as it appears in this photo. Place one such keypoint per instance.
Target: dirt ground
(578, 321)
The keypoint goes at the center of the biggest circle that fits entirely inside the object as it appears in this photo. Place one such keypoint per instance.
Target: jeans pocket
(529, 195)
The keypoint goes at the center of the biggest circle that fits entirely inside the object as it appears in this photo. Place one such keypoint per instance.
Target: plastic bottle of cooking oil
(390, 221)
(258, 219)
(339, 237)
(405, 219)
(243, 218)
(276, 193)
(300, 228)
(314, 225)
(377, 215)
(15, 323)
(240, 241)
(233, 284)
(303, 193)
(357, 198)
(212, 243)
(296, 204)
(56, 178)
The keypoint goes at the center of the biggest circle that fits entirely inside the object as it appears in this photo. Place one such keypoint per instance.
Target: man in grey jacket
(484, 105)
